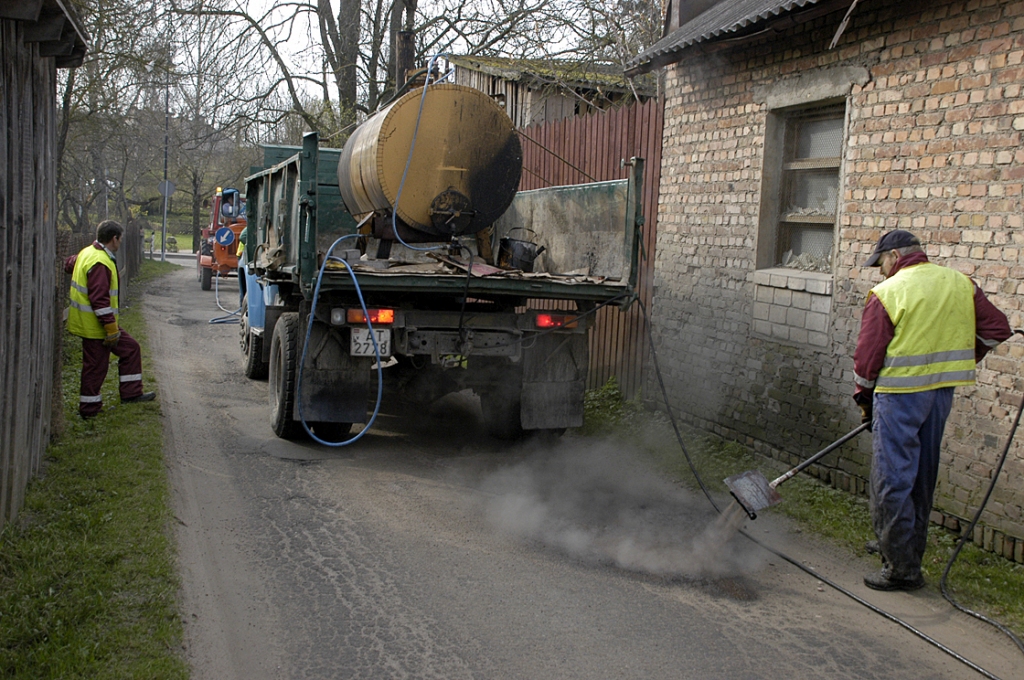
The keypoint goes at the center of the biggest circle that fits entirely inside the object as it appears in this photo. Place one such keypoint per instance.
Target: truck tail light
(377, 316)
(546, 320)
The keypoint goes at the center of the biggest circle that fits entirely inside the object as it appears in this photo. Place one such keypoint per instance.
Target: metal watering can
(514, 253)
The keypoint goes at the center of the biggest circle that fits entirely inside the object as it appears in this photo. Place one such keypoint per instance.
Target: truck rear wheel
(284, 361)
(205, 278)
(252, 346)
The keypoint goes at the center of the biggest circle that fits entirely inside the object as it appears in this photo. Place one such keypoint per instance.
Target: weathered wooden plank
(27, 247)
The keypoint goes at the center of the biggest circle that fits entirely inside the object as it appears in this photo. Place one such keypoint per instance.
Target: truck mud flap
(554, 380)
(336, 387)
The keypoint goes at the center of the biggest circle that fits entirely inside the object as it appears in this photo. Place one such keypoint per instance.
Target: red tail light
(546, 320)
(377, 316)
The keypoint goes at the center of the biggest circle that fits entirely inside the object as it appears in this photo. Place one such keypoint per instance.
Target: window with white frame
(809, 188)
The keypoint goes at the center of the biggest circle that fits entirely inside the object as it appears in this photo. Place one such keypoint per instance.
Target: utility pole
(167, 129)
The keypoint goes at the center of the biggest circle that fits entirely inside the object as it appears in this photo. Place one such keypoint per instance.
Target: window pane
(813, 192)
(820, 138)
(807, 247)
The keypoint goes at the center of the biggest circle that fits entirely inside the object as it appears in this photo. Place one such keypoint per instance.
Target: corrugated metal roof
(723, 18)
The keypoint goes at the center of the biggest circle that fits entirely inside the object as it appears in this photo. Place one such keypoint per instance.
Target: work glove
(866, 414)
(113, 335)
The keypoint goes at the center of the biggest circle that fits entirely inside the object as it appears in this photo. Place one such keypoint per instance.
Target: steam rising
(602, 504)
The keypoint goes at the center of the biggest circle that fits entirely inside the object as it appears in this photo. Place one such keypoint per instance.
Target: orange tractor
(218, 246)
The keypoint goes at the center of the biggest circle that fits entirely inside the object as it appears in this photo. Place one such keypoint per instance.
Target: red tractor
(218, 246)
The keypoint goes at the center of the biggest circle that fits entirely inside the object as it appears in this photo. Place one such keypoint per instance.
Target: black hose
(781, 555)
(970, 532)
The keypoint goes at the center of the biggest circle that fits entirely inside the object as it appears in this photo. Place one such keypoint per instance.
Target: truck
(410, 257)
(218, 246)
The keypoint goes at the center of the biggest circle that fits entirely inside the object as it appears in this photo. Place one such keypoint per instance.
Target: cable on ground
(969, 533)
(795, 562)
(232, 317)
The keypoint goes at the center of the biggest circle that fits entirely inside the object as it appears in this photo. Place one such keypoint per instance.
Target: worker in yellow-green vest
(922, 331)
(93, 316)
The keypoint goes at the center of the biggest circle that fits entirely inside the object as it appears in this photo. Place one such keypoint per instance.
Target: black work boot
(145, 396)
(884, 579)
(872, 547)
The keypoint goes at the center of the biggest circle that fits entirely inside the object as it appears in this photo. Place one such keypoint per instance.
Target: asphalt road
(428, 550)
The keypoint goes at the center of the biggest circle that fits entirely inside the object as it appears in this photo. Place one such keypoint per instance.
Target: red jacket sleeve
(876, 332)
(99, 293)
(991, 326)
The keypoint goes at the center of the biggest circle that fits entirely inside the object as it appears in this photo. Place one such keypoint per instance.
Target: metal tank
(464, 170)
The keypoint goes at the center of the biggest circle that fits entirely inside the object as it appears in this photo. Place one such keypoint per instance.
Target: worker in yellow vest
(93, 316)
(922, 331)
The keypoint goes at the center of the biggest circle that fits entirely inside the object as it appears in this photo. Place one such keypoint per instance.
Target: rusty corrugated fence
(591, 148)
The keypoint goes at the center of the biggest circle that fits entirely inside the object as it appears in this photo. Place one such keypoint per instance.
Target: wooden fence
(27, 235)
(591, 148)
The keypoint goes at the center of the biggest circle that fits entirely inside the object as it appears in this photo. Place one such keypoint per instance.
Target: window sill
(794, 279)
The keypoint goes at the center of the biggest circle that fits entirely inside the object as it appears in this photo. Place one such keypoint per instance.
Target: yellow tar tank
(464, 170)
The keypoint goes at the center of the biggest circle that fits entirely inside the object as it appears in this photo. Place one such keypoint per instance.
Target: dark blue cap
(897, 238)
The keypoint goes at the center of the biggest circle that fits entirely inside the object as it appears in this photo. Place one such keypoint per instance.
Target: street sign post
(166, 188)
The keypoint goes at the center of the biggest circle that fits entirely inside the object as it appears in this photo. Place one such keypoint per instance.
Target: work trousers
(96, 361)
(907, 432)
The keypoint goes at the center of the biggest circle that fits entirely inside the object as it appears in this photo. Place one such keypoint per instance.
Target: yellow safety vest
(82, 318)
(932, 310)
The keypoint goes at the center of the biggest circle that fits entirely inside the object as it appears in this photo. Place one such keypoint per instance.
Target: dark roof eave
(669, 50)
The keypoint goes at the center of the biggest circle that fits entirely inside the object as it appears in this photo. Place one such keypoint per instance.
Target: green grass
(979, 580)
(87, 572)
(184, 241)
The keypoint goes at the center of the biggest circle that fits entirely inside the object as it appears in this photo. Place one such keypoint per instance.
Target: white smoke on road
(602, 504)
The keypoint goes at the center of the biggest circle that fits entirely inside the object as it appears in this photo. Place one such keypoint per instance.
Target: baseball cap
(897, 238)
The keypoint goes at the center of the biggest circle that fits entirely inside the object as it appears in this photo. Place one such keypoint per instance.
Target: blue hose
(305, 348)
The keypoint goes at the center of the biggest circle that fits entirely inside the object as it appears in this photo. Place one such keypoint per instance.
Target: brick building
(791, 143)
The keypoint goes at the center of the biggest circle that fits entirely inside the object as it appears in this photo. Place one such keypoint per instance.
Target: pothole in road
(179, 321)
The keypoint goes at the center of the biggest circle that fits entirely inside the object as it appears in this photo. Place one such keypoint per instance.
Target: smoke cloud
(602, 504)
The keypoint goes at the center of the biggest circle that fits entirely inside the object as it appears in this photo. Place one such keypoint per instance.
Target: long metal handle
(821, 454)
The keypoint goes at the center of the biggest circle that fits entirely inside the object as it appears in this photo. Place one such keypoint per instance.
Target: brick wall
(933, 145)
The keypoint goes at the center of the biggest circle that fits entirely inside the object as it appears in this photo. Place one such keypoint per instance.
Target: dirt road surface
(428, 550)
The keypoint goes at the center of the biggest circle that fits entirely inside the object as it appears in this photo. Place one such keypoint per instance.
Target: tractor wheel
(502, 416)
(252, 346)
(205, 278)
(284, 362)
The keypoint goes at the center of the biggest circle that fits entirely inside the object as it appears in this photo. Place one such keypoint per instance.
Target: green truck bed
(590, 233)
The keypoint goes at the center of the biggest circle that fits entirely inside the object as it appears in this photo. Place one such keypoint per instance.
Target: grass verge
(87, 573)
(979, 580)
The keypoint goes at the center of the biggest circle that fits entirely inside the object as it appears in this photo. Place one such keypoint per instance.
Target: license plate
(362, 345)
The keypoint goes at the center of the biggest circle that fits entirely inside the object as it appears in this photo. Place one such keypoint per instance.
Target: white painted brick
(796, 317)
(796, 283)
(816, 322)
(764, 294)
(777, 314)
(762, 327)
(762, 277)
(783, 296)
(798, 335)
(761, 311)
(821, 303)
(780, 331)
(801, 300)
(818, 286)
(779, 280)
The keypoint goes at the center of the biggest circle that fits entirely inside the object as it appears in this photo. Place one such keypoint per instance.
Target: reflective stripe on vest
(82, 318)
(932, 312)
